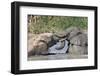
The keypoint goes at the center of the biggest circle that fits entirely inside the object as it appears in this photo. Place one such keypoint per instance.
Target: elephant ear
(60, 45)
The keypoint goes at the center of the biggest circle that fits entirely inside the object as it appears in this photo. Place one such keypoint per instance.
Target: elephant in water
(60, 47)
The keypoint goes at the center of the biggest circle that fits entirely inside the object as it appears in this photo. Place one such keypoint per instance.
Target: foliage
(41, 24)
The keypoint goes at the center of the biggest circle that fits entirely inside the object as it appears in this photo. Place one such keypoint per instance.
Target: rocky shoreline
(77, 42)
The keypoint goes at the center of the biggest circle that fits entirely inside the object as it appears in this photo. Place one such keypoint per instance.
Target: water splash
(60, 51)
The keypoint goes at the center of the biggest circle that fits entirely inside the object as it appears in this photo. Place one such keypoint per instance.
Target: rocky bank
(77, 42)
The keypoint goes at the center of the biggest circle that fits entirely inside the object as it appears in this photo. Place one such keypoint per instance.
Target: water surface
(58, 57)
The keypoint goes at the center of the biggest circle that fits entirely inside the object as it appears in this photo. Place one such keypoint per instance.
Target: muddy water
(57, 57)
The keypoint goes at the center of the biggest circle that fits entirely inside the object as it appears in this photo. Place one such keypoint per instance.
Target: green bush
(41, 24)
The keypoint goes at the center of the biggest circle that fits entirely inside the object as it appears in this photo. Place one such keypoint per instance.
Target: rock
(45, 37)
(78, 50)
(39, 44)
(73, 31)
(68, 34)
(79, 40)
(60, 34)
(56, 38)
(38, 49)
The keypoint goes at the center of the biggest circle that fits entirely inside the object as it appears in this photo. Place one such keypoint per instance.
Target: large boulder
(79, 40)
(73, 31)
(38, 49)
(68, 33)
(61, 34)
(39, 44)
(78, 50)
(78, 44)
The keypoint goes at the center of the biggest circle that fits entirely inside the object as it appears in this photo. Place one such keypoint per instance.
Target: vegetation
(41, 24)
